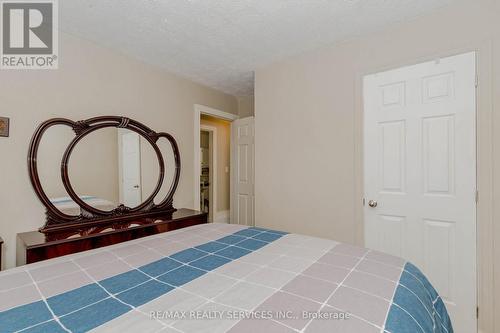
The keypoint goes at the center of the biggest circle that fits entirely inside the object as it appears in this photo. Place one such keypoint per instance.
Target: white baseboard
(222, 217)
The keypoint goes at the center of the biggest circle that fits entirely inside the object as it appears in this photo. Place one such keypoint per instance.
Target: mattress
(222, 278)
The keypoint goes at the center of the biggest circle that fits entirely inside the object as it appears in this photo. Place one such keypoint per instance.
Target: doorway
(212, 158)
(239, 166)
(420, 174)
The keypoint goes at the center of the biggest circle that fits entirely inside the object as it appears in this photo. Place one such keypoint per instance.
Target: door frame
(483, 210)
(212, 146)
(198, 111)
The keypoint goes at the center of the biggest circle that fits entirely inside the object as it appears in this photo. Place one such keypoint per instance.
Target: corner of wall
(246, 106)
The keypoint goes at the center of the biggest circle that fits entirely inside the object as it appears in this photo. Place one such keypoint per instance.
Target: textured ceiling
(220, 42)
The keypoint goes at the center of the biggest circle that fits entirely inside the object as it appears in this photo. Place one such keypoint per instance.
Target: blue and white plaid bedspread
(222, 278)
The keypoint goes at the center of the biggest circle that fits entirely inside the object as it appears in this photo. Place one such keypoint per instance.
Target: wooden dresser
(34, 246)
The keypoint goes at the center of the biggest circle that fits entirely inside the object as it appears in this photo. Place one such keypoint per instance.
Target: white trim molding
(203, 109)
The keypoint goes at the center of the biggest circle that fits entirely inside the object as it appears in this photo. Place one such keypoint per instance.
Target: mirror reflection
(50, 153)
(108, 167)
(169, 160)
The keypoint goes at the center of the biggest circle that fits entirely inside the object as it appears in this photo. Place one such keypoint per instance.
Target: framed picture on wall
(4, 127)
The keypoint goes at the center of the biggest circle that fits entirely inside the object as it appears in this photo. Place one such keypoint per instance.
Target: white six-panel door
(420, 174)
(242, 170)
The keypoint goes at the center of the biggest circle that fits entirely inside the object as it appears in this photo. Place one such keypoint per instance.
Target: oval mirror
(112, 169)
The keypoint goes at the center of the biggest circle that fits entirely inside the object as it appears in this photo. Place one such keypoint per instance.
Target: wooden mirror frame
(91, 218)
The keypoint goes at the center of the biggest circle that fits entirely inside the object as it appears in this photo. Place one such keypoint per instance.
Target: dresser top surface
(32, 239)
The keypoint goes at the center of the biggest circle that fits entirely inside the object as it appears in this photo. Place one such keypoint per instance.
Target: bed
(222, 278)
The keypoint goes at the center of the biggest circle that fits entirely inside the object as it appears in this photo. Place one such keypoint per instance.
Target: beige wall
(223, 156)
(246, 106)
(309, 130)
(90, 81)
